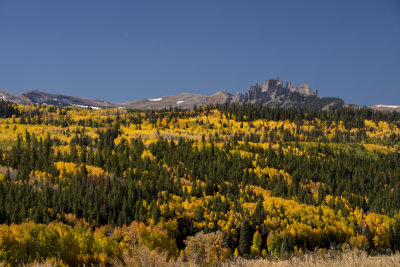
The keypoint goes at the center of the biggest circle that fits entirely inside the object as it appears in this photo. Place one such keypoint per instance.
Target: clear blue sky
(126, 50)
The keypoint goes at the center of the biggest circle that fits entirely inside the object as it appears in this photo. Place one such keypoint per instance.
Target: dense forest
(245, 180)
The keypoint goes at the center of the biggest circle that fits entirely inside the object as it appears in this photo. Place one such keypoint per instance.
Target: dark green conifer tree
(245, 239)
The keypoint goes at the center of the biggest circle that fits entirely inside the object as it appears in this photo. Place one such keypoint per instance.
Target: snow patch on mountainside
(387, 106)
(155, 99)
(83, 106)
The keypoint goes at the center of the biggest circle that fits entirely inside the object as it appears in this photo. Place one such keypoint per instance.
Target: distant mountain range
(272, 92)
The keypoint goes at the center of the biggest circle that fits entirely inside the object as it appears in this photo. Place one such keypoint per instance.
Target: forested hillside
(91, 186)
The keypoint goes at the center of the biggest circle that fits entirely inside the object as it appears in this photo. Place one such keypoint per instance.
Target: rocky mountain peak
(272, 90)
(271, 85)
(289, 85)
(304, 89)
(304, 86)
(273, 93)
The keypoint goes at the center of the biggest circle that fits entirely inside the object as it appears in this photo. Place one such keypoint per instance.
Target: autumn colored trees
(211, 183)
(78, 244)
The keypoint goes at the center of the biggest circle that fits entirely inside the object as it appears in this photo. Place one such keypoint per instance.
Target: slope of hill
(184, 100)
(32, 97)
(39, 97)
(271, 93)
(85, 187)
(18, 99)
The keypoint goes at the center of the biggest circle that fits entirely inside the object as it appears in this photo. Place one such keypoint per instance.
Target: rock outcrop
(304, 89)
(274, 94)
(271, 90)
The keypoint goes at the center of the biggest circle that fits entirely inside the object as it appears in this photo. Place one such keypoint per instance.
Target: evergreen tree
(245, 239)
(396, 235)
(259, 213)
(155, 213)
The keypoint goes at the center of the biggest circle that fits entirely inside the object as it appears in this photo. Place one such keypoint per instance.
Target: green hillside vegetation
(81, 186)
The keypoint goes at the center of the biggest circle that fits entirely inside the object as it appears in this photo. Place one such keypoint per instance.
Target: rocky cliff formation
(271, 91)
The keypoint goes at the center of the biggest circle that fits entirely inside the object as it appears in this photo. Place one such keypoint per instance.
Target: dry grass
(142, 257)
(348, 259)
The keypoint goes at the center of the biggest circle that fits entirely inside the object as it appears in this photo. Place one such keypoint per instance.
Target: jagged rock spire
(289, 85)
(305, 90)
